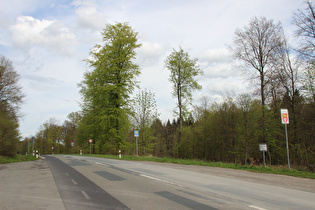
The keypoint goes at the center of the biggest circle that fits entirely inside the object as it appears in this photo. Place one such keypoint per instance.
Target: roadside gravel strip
(28, 185)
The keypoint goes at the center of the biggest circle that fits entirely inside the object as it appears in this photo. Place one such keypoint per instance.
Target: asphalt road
(95, 183)
(77, 191)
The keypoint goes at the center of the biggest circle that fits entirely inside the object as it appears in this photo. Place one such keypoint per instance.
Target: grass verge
(258, 169)
(17, 158)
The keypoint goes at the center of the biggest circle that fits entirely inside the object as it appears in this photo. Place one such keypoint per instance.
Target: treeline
(228, 131)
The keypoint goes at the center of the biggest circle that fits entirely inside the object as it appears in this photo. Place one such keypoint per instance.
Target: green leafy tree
(10, 101)
(183, 71)
(107, 88)
(247, 126)
(69, 130)
(9, 135)
(144, 113)
(204, 130)
(49, 135)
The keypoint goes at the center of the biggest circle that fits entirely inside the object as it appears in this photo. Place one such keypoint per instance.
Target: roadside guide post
(263, 148)
(285, 121)
(33, 141)
(90, 141)
(136, 132)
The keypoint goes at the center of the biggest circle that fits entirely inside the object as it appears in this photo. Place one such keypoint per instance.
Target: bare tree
(288, 71)
(304, 20)
(309, 83)
(287, 75)
(10, 90)
(256, 47)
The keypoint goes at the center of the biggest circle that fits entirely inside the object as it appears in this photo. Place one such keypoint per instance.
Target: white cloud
(150, 54)
(89, 17)
(216, 55)
(217, 63)
(50, 34)
(49, 30)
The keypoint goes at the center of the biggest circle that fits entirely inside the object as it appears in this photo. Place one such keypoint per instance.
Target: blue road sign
(136, 133)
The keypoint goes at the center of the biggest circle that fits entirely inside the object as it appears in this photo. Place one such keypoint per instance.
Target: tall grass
(17, 158)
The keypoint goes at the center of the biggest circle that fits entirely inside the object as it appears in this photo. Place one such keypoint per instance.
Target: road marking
(86, 195)
(160, 180)
(102, 164)
(67, 174)
(73, 181)
(256, 207)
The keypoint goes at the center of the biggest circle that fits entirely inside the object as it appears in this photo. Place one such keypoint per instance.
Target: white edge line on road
(256, 207)
(86, 195)
(74, 182)
(160, 180)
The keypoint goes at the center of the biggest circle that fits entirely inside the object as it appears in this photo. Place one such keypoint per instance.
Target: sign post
(136, 133)
(28, 148)
(263, 148)
(285, 121)
(90, 141)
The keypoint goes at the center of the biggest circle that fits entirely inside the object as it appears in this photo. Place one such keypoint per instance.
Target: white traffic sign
(284, 116)
(263, 147)
(90, 140)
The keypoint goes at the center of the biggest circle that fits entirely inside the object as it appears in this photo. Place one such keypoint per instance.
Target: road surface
(97, 183)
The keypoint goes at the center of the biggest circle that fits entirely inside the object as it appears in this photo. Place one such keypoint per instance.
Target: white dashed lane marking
(86, 195)
(74, 182)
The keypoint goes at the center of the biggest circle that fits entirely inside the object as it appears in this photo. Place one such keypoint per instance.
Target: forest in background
(227, 131)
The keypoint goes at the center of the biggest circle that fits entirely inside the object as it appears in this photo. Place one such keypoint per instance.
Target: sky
(48, 41)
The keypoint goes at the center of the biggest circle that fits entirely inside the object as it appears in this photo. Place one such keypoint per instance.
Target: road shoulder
(290, 182)
(28, 185)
